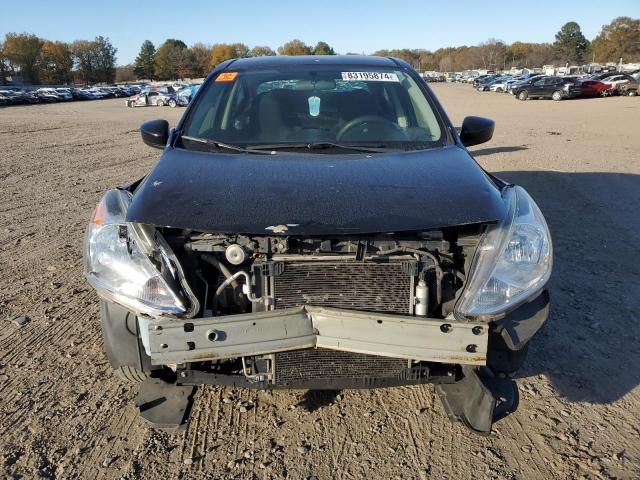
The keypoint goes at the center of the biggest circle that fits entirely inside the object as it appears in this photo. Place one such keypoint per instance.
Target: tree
(240, 49)
(185, 62)
(323, 48)
(5, 69)
(56, 63)
(145, 63)
(105, 54)
(202, 58)
(166, 57)
(491, 54)
(126, 73)
(261, 52)
(83, 52)
(294, 47)
(23, 51)
(571, 45)
(222, 52)
(619, 39)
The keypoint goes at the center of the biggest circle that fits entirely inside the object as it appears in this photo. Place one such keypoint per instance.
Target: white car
(616, 80)
(500, 86)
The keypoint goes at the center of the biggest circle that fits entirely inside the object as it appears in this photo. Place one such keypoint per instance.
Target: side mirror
(155, 133)
(476, 130)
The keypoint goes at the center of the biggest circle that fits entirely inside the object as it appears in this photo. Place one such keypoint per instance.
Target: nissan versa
(317, 223)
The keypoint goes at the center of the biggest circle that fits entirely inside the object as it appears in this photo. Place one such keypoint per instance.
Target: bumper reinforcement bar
(174, 341)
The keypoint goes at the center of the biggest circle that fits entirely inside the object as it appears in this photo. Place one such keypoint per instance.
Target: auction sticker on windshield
(370, 76)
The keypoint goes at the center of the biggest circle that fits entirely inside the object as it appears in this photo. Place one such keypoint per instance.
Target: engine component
(422, 299)
(235, 254)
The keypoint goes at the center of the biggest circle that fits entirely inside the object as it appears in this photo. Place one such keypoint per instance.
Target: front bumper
(447, 341)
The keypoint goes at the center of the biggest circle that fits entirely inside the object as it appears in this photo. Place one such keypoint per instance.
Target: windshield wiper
(320, 146)
(222, 145)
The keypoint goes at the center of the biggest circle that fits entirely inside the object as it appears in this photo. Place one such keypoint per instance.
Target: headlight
(132, 265)
(512, 262)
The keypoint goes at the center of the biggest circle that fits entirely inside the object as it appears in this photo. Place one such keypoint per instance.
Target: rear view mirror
(476, 130)
(155, 133)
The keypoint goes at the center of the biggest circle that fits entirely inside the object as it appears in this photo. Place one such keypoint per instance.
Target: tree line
(619, 39)
(41, 61)
(174, 59)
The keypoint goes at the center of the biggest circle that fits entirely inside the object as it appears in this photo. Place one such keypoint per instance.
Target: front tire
(523, 95)
(556, 96)
(173, 103)
(160, 103)
(632, 93)
(130, 374)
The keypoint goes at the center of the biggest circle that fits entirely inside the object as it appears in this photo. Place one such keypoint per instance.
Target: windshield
(319, 105)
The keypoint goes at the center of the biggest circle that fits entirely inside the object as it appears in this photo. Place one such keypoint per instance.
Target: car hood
(302, 194)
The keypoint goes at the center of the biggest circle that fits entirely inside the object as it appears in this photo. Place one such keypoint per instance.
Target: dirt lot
(64, 415)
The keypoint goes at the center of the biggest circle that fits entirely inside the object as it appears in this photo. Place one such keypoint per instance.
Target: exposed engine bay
(416, 274)
(413, 275)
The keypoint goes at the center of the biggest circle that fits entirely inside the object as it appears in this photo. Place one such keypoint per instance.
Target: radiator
(376, 286)
(367, 286)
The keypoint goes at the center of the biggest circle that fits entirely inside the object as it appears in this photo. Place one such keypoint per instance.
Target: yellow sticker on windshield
(226, 77)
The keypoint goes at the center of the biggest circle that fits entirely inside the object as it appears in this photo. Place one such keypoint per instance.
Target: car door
(537, 87)
(153, 98)
(553, 85)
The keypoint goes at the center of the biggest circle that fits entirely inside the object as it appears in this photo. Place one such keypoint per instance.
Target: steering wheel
(371, 120)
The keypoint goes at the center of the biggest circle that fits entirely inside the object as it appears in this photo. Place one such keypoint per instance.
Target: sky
(348, 26)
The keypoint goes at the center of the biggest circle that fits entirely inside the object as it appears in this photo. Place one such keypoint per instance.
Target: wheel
(130, 374)
(173, 103)
(523, 95)
(632, 93)
(160, 103)
(499, 90)
(557, 95)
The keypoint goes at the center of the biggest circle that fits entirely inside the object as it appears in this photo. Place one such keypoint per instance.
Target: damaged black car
(317, 223)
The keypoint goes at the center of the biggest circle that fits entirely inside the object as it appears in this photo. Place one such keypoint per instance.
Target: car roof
(337, 60)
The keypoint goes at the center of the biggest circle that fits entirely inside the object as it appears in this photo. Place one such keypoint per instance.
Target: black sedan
(317, 222)
(555, 88)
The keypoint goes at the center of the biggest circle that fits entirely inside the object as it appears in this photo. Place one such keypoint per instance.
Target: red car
(593, 88)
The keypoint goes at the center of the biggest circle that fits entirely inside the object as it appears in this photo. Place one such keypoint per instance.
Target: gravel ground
(63, 414)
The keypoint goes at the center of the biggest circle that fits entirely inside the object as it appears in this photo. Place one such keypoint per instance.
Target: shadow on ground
(589, 347)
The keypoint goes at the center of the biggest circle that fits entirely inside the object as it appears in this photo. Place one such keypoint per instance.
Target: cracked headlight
(513, 260)
(131, 264)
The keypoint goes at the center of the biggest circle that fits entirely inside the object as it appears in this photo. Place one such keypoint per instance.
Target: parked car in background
(12, 97)
(617, 80)
(60, 96)
(500, 84)
(588, 88)
(148, 98)
(46, 97)
(555, 88)
(631, 88)
(522, 80)
(65, 93)
(97, 93)
(185, 95)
